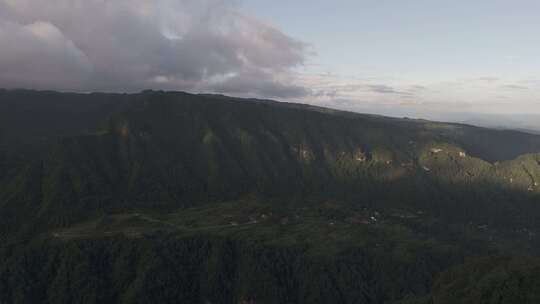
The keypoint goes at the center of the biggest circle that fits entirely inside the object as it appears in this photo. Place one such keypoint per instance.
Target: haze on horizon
(467, 61)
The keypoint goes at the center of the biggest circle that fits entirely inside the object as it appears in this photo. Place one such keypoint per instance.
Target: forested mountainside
(170, 197)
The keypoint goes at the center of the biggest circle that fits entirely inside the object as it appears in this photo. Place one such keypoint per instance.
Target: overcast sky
(419, 58)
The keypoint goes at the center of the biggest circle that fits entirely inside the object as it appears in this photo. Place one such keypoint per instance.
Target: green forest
(169, 197)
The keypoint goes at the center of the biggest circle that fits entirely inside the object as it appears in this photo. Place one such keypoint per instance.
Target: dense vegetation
(163, 197)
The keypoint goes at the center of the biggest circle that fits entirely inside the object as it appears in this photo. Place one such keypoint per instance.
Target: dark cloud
(488, 79)
(129, 45)
(39, 55)
(385, 89)
(382, 89)
(514, 87)
(259, 83)
(418, 87)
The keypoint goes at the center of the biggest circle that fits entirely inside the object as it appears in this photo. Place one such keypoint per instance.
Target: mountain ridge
(86, 175)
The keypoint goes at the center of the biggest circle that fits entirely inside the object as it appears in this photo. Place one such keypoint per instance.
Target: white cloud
(129, 45)
(211, 46)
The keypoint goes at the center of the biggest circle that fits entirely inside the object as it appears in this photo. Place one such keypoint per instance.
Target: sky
(447, 60)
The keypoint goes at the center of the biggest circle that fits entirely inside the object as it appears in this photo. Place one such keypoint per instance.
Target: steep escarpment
(337, 201)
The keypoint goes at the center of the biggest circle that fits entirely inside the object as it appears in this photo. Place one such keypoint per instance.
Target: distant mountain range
(529, 123)
(169, 197)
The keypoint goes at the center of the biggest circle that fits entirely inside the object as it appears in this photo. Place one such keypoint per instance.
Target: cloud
(382, 89)
(361, 93)
(40, 54)
(514, 87)
(488, 79)
(255, 82)
(129, 45)
(418, 87)
(385, 89)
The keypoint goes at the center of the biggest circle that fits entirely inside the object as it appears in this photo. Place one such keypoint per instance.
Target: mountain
(168, 197)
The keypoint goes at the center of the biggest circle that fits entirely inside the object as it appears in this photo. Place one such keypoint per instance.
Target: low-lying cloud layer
(129, 45)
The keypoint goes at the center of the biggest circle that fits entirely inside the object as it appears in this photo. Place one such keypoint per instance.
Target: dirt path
(73, 234)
